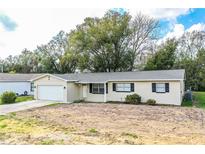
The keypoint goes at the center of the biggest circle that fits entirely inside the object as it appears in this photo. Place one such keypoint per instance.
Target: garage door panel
(50, 92)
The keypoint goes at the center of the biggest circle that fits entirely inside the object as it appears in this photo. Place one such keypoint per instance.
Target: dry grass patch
(91, 123)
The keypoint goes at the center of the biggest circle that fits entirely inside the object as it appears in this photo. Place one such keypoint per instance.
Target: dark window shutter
(91, 90)
(106, 87)
(167, 87)
(132, 87)
(153, 87)
(114, 86)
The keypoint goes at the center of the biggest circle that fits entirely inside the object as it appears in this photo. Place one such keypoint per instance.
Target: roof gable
(44, 75)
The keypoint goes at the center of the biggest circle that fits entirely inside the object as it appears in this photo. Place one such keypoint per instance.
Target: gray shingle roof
(115, 76)
(103, 77)
(17, 77)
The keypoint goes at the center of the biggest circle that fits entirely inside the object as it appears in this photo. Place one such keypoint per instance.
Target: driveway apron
(8, 108)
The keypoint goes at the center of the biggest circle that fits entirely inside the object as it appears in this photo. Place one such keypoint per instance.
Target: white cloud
(178, 30)
(38, 26)
(162, 13)
(196, 27)
(167, 14)
(2, 28)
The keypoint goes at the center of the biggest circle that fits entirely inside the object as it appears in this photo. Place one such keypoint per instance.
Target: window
(160, 87)
(32, 86)
(124, 87)
(98, 88)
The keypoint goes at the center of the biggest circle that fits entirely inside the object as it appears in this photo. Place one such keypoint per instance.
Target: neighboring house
(165, 86)
(19, 83)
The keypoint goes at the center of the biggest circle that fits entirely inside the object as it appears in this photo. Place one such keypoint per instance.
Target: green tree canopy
(101, 43)
(164, 58)
(113, 42)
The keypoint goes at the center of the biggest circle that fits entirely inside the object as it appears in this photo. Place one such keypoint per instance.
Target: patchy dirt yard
(91, 123)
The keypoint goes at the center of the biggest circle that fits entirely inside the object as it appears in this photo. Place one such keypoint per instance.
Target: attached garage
(51, 88)
(50, 92)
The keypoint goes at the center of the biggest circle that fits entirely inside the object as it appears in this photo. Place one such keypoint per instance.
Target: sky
(27, 28)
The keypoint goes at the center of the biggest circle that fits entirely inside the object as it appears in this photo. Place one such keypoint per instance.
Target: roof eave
(86, 82)
(14, 80)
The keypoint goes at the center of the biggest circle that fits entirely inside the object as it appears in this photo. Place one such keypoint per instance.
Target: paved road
(4, 109)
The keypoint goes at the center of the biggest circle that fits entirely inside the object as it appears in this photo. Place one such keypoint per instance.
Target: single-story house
(165, 86)
(19, 83)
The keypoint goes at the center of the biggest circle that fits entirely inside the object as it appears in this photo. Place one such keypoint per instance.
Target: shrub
(2, 117)
(129, 135)
(133, 99)
(47, 142)
(151, 102)
(8, 97)
(3, 125)
(93, 130)
(78, 101)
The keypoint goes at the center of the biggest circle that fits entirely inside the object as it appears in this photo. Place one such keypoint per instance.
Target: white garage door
(53, 93)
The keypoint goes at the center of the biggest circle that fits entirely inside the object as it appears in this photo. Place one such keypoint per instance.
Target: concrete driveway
(8, 108)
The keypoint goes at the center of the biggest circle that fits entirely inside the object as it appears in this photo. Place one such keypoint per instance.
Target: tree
(190, 43)
(190, 66)
(9, 63)
(27, 62)
(143, 32)
(102, 43)
(54, 57)
(69, 62)
(201, 69)
(191, 57)
(164, 58)
(195, 71)
(1, 65)
(114, 42)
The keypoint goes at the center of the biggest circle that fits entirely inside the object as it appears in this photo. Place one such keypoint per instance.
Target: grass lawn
(198, 100)
(22, 99)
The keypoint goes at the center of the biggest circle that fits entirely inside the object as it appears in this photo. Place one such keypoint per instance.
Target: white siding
(94, 97)
(84, 94)
(182, 89)
(84, 91)
(17, 87)
(144, 89)
(73, 92)
(91, 97)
